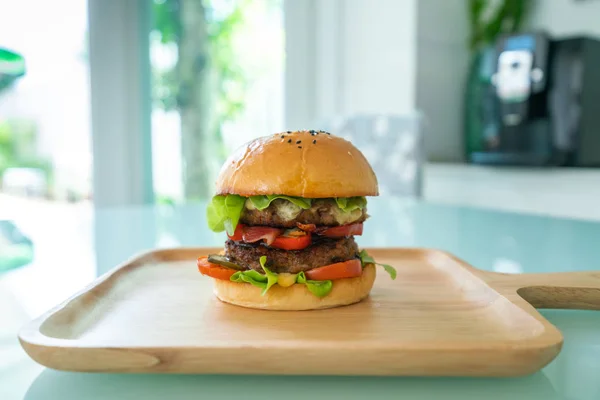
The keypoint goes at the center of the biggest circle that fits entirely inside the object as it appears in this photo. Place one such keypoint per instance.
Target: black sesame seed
(299, 141)
(282, 136)
(299, 147)
(315, 141)
(289, 132)
(290, 141)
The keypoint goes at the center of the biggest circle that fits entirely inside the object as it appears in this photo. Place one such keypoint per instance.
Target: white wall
(384, 56)
(566, 17)
(378, 61)
(442, 64)
(348, 56)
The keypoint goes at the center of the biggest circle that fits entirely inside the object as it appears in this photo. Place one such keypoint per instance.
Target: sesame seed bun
(297, 297)
(310, 164)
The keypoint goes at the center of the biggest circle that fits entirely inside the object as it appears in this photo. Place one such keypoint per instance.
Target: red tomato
(292, 242)
(214, 270)
(346, 269)
(344, 230)
(237, 235)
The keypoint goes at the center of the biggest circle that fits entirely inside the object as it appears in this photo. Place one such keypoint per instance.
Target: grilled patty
(282, 213)
(323, 251)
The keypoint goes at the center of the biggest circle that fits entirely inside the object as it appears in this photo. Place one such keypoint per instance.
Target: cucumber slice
(223, 261)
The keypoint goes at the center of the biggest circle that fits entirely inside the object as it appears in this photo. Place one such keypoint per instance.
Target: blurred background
(106, 103)
(108, 107)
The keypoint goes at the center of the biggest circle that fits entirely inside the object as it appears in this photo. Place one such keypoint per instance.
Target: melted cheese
(249, 205)
(344, 218)
(287, 210)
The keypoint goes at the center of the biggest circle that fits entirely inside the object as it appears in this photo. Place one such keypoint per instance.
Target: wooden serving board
(440, 317)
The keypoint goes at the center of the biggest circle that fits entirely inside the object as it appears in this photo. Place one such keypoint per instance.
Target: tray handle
(560, 290)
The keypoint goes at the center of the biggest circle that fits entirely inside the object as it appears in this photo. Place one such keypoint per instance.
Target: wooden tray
(441, 317)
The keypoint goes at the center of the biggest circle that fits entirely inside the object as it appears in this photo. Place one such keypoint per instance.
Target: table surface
(75, 244)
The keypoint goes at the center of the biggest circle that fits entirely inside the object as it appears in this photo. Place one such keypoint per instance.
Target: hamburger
(291, 204)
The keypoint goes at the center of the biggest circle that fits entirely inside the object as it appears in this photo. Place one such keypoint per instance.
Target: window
(45, 146)
(217, 81)
(45, 149)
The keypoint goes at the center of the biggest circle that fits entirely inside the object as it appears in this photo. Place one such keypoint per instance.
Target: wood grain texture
(442, 317)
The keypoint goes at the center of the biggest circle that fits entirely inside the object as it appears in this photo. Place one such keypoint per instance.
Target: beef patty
(282, 213)
(323, 251)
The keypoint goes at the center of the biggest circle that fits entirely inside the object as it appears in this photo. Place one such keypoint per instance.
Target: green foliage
(232, 79)
(164, 89)
(487, 24)
(223, 19)
(18, 147)
(166, 20)
(12, 67)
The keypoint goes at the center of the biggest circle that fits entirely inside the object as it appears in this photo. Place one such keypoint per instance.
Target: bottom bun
(297, 297)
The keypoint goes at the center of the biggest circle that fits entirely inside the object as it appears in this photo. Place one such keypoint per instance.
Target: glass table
(73, 245)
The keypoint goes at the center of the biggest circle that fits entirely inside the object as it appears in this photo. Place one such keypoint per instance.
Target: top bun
(310, 164)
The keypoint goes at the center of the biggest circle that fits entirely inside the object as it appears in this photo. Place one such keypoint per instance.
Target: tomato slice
(214, 270)
(292, 242)
(345, 269)
(238, 234)
(344, 230)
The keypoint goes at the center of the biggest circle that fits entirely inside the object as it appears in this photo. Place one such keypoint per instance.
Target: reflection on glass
(507, 266)
(12, 66)
(16, 250)
(52, 385)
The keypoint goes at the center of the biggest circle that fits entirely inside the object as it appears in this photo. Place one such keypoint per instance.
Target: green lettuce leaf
(223, 212)
(349, 204)
(271, 276)
(389, 269)
(214, 214)
(262, 202)
(365, 258)
(252, 277)
(318, 288)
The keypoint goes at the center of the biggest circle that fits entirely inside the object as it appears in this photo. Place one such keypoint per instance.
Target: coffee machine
(541, 105)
